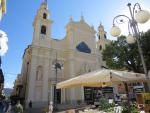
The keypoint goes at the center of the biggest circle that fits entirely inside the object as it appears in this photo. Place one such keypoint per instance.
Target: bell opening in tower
(43, 30)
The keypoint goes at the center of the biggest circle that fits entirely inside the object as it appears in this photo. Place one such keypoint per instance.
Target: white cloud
(3, 43)
(8, 85)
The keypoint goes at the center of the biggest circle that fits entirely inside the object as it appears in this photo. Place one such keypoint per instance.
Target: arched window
(44, 16)
(39, 73)
(43, 30)
(105, 36)
(100, 47)
(99, 37)
(83, 47)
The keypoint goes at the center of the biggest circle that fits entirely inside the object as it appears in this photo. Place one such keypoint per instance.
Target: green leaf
(121, 55)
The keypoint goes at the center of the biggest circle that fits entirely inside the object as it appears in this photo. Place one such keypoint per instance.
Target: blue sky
(17, 23)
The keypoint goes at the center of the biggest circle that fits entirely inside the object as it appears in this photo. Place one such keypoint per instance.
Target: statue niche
(39, 73)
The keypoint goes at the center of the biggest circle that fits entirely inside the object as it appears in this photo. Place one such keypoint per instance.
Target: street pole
(55, 92)
(134, 25)
(57, 66)
(128, 98)
(141, 17)
(56, 83)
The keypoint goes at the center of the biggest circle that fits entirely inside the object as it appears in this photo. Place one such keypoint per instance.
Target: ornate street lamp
(56, 66)
(141, 16)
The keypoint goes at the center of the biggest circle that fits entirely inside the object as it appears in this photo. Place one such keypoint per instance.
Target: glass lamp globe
(115, 31)
(142, 16)
(130, 39)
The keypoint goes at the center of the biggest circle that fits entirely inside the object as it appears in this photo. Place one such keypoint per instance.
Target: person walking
(30, 106)
(1, 106)
(50, 107)
(18, 108)
(9, 108)
(6, 104)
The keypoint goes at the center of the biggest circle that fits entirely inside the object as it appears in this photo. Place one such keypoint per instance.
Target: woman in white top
(50, 107)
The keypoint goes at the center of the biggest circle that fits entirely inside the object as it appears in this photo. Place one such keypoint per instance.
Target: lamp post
(57, 66)
(141, 17)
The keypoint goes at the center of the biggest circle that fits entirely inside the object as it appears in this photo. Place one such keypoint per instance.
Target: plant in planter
(104, 104)
(134, 108)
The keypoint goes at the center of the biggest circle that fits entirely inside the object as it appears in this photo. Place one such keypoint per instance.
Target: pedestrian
(30, 104)
(18, 108)
(6, 106)
(9, 110)
(118, 109)
(50, 107)
(1, 106)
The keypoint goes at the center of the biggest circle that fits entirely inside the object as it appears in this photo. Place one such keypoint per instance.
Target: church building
(47, 61)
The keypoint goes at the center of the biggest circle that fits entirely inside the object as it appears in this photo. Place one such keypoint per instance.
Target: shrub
(134, 108)
(104, 104)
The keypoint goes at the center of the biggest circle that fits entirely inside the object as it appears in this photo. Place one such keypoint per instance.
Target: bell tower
(42, 25)
(102, 38)
(101, 32)
(101, 43)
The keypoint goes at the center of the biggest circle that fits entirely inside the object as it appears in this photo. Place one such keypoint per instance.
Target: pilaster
(31, 83)
(45, 80)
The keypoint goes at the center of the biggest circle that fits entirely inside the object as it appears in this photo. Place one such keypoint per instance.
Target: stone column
(82, 90)
(72, 74)
(63, 95)
(52, 92)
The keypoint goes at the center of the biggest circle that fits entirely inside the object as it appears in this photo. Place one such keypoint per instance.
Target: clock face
(83, 47)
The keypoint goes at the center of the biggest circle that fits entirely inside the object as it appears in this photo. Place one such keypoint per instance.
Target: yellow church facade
(47, 61)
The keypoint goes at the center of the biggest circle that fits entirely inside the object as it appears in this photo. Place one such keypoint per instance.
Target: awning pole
(128, 99)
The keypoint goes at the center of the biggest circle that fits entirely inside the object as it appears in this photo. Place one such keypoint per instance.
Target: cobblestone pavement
(34, 111)
(39, 111)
